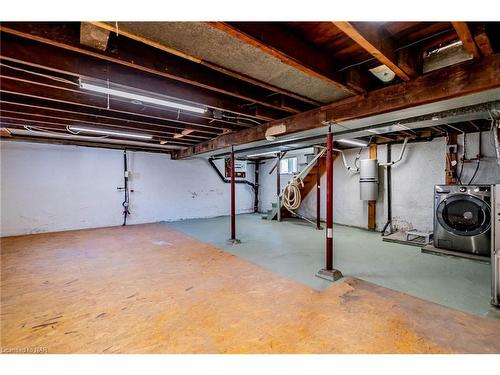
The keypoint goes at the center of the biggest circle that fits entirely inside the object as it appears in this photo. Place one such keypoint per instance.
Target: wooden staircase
(309, 184)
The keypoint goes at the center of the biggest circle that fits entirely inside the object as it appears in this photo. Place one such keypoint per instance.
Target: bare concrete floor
(295, 249)
(150, 289)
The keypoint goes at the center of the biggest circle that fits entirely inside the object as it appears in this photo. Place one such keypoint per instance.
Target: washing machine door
(464, 215)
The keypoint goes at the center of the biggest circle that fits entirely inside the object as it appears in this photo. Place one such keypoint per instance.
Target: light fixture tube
(141, 98)
(352, 142)
(110, 132)
(263, 153)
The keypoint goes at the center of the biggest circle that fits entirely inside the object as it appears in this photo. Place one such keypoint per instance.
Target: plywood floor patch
(149, 289)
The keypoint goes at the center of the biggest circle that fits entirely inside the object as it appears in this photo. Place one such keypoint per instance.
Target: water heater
(368, 179)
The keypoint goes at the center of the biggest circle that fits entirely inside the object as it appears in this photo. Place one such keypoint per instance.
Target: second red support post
(329, 273)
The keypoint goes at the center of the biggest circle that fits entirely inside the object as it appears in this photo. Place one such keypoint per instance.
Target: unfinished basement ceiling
(459, 112)
(204, 41)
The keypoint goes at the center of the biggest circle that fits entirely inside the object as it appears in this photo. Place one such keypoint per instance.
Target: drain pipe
(228, 181)
(388, 224)
(256, 187)
(126, 199)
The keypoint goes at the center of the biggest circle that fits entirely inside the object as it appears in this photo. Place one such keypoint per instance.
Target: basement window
(288, 165)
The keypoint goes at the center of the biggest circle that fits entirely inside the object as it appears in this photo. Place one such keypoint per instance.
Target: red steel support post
(329, 272)
(329, 201)
(318, 194)
(233, 203)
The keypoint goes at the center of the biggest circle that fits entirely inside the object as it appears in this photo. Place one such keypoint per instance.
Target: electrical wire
(475, 172)
(241, 118)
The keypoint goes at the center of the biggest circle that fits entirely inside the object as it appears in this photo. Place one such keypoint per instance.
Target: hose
(291, 194)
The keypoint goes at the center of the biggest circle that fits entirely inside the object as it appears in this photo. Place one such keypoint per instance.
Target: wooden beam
(376, 42)
(464, 34)
(93, 36)
(372, 205)
(458, 80)
(482, 40)
(42, 52)
(17, 138)
(289, 49)
(410, 61)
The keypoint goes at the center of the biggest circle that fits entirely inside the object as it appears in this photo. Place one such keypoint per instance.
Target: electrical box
(240, 168)
(368, 179)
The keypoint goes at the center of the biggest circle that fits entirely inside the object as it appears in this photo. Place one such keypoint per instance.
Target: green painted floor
(296, 250)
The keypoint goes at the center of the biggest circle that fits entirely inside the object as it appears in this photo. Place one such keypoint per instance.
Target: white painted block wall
(413, 180)
(46, 188)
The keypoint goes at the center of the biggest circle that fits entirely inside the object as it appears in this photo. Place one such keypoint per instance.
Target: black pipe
(256, 189)
(227, 181)
(389, 194)
(125, 203)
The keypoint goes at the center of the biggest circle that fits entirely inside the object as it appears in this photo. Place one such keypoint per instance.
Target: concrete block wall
(413, 180)
(46, 188)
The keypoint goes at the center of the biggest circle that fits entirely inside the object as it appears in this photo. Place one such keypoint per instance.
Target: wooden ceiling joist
(41, 52)
(465, 35)
(458, 80)
(286, 47)
(482, 40)
(118, 112)
(151, 59)
(69, 120)
(376, 42)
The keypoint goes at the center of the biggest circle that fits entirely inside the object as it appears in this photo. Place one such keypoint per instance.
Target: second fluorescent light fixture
(352, 142)
(141, 98)
(109, 132)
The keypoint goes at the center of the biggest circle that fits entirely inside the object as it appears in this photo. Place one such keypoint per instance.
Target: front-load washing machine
(462, 218)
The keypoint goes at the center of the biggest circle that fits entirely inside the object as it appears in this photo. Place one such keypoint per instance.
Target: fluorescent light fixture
(263, 154)
(141, 98)
(109, 132)
(352, 142)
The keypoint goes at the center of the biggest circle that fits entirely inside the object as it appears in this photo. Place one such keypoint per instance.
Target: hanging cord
(291, 193)
(291, 196)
